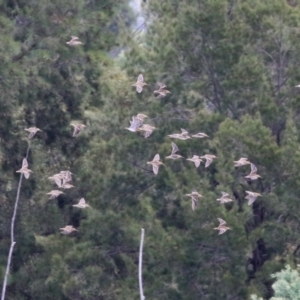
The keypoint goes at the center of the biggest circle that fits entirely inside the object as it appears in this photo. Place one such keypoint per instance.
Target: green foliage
(231, 67)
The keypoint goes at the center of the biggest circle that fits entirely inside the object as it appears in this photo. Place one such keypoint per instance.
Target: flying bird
(77, 128)
(162, 91)
(173, 154)
(196, 160)
(24, 170)
(66, 176)
(67, 186)
(54, 194)
(68, 229)
(146, 129)
(81, 204)
(140, 83)
(253, 174)
(184, 135)
(200, 135)
(135, 124)
(74, 41)
(209, 158)
(194, 197)
(242, 162)
(225, 198)
(155, 163)
(252, 197)
(222, 226)
(32, 131)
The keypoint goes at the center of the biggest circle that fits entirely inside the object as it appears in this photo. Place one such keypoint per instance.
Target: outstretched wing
(208, 162)
(147, 133)
(174, 148)
(197, 163)
(222, 230)
(222, 222)
(140, 78)
(24, 163)
(225, 194)
(253, 168)
(156, 157)
(161, 85)
(82, 201)
(155, 169)
(31, 134)
(139, 89)
(251, 200)
(183, 131)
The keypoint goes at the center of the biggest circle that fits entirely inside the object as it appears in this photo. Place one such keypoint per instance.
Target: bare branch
(12, 234)
(140, 264)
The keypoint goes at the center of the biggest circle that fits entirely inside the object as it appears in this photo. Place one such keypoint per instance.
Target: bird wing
(58, 181)
(161, 85)
(194, 203)
(76, 130)
(251, 200)
(174, 148)
(147, 133)
(26, 174)
(222, 222)
(139, 89)
(82, 201)
(224, 194)
(156, 157)
(24, 163)
(208, 162)
(31, 134)
(136, 122)
(197, 163)
(140, 78)
(183, 131)
(155, 169)
(222, 230)
(253, 168)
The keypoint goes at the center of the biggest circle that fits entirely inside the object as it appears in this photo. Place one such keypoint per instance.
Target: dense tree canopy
(231, 68)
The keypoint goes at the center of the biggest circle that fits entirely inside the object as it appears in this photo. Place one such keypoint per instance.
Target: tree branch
(140, 264)
(12, 234)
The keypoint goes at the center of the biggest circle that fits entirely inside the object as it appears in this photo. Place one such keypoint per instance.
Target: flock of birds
(136, 125)
(63, 178)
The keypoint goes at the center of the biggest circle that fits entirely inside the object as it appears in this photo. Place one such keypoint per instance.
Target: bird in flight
(68, 229)
(77, 128)
(74, 41)
(54, 194)
(242, 162)
(140, 83)
(146, 129)
(155, 163)
(184, 135)
(173, 154)
(32, 131)
(209, 158)
(200, 135)
(253, 174)
(81, 204)
(135, 124)
(252, 197)
(225, 198)
(24, 170)
(162, 91)
(196, 160)
(194, 197)
(222, 226)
